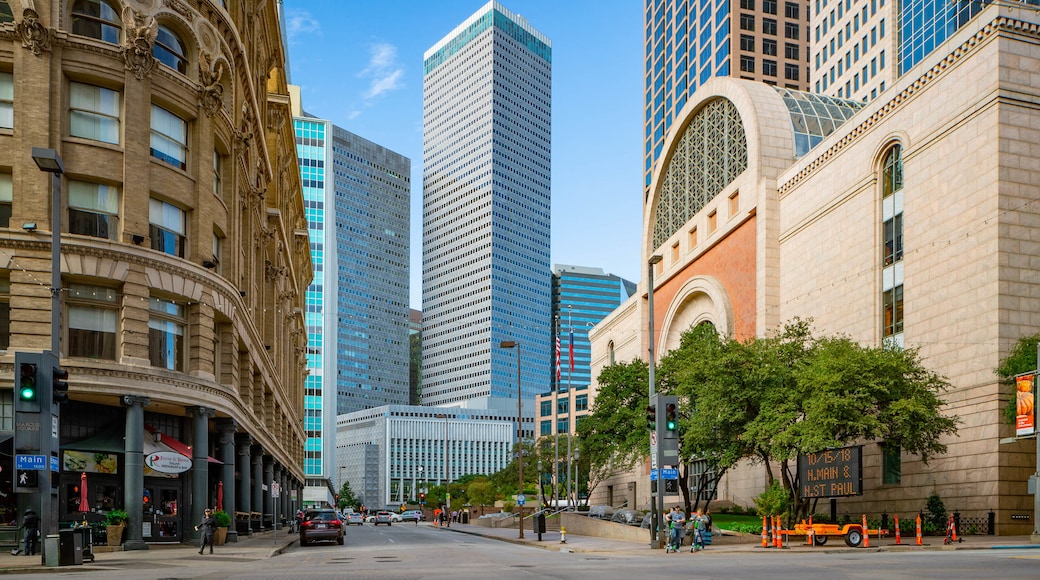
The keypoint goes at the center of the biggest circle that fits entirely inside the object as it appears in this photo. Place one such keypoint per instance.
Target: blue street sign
(521, 499)
(653, 475)
(54, 464)
(31, 462)
(670, 473)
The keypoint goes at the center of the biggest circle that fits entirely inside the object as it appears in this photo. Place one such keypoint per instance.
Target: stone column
(133, 478)
(245, 472)
(269, 482)
(286, 512)
(227, 428)
(258, 483)
(199, 462)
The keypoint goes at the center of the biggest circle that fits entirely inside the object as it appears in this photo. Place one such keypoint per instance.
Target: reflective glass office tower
(689, 41)
(486, 200)
(372, 196)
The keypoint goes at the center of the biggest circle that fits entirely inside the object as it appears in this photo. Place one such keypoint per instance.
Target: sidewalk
(730, 544)
(256, 547)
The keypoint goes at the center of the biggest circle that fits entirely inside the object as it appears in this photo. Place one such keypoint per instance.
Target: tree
(771, 399)
(613, 438)
(481, 492)
(346, 496)
(507, 479)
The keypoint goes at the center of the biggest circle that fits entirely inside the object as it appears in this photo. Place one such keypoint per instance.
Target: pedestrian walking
(697, 523)
(208, 527)
(31, 535)
(677, 519)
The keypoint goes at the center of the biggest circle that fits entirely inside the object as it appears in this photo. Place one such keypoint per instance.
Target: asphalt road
(403, 551)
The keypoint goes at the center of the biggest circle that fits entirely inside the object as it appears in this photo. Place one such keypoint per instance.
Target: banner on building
(1025, 393)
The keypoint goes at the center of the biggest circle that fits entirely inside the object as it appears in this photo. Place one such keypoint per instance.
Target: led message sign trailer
(831, 473)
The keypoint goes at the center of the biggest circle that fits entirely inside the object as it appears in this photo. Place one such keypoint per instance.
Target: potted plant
(223, 523)
(115, 523)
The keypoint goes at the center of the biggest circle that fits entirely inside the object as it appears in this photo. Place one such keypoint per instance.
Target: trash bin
(464, 516)
(50, 550)
(87, 541)
(70, 548)
(539, 523)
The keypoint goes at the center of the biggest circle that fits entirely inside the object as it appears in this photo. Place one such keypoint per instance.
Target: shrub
(935, 511)
(223, 519)
(115, 517)
(773, 501)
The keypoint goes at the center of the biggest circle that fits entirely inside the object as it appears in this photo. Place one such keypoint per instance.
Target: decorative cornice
(181, 9)
(966, 49)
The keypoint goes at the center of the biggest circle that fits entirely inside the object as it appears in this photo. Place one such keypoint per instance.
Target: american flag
(557, 358)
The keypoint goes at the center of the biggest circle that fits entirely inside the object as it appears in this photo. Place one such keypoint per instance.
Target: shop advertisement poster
(1025, 391)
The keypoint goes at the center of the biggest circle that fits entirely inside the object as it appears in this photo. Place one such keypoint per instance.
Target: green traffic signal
(27, 382)
(671, 420)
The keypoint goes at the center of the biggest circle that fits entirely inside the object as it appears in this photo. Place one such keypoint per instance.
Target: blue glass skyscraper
(486, 199)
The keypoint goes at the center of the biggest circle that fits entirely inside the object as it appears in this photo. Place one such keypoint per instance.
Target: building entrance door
(162, 517)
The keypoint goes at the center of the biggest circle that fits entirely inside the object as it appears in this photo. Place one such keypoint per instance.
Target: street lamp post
(656, 535)
(49, 161)
(447, 473)
(519, 427)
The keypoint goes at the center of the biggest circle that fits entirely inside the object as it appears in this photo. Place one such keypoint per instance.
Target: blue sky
(359, 64)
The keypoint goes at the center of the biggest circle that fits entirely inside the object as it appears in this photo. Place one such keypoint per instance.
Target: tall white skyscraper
(486, 172)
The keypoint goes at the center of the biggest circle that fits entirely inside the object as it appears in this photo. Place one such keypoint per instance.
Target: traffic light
(651, 417)
(422, 499)
(59, 385)
(671, 419)
(28, 388)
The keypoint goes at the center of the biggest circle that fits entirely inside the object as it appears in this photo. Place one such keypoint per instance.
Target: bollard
(563, 535)
(866, 533)
(898, 541)
(778, 538)
(920, 542)
(765, 540)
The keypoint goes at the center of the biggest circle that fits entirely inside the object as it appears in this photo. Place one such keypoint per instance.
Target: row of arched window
(892, 252)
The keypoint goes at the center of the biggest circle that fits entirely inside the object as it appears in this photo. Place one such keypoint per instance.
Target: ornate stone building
(184, 252)
(910, 220)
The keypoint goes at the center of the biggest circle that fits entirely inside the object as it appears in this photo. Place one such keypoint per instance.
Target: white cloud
(299, 23)
(383, 70)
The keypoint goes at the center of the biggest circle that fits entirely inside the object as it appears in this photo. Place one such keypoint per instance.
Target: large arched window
(892, 250)
(5, 12)
(96, 19)
(169, 50)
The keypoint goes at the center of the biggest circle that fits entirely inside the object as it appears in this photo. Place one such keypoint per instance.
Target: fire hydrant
(563, 534)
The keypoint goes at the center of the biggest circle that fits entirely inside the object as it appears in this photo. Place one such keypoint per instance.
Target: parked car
(603, 512)
(321, 525)
(413, 516)
(628, 517)
(354, 519)
(383, 517)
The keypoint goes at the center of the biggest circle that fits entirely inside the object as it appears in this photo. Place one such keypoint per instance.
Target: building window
(769, 68)
(747, 43)
(169, 137)
(892, 306)
(94, 113)
(769, 6)
(768, 47)
(791, 10)
(734, 204)
(92, 321)
(747, 22)
(545, 408)
(581, 403)
(893, 240)
(791, 51)
(167, 228)
(545, 428)
(892, 172)
(791, 72)
(769, 26)
(747, 63)
(93, 210)
(747, 4)
(891, 464)
(791, 30)
(5, 313)
(6, 100)
(218, 174)
(562, 406)
(5, 12)
(166, 333)
(6, 199)
(563, 425)
(96, 19)
(713, 222)
(218, 249)
(169, 50)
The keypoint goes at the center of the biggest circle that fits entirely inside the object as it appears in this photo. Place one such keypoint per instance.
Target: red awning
(178, 446)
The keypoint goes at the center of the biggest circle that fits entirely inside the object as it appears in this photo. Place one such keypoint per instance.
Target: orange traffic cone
(920, 541)
(898, 540)
(866, 533)
(779, 533)
(765, 541)
(953, 529)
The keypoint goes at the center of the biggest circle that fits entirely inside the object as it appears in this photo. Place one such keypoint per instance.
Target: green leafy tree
(507, 479)
(346, 496)
(1021, 359)
(613, 438)
(481, 492)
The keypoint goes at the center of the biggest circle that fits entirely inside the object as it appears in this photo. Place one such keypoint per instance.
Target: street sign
(30, 462)
(521, 500)
(54, 464)
(653, 450)
(669, 473)
(653, 474)
(26, 478)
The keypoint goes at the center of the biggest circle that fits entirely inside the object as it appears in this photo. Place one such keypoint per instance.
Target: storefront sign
(80, 461)
(167, 462)
(1025, 418)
